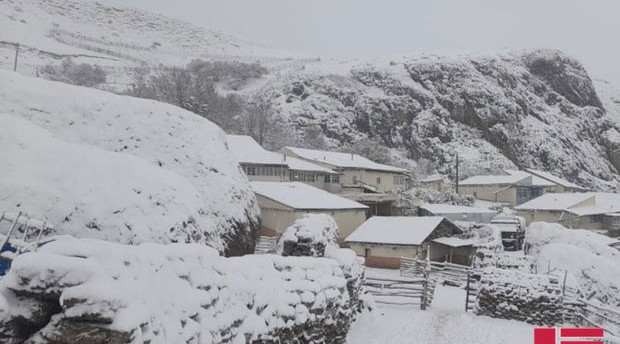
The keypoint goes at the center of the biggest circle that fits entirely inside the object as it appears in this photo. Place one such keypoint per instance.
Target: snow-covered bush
(179, 293)
(120, 168)
(82, 74)
(309, 236)
(587, 257)
(415, 197)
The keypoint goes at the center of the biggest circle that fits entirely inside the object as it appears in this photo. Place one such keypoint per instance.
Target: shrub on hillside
(82, 74)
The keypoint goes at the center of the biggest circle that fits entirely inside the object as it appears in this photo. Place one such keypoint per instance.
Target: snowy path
(445, 322)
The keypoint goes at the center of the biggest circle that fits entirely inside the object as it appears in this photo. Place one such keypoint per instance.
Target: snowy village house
(512, 187)
(434, 182)
(358, 172)
(383, 241)
(260, 164)
(283, 203)
(589, 210)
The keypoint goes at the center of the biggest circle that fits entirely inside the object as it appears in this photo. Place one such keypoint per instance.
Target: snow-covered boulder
(120, 168)
(309, 236)
(587, 257)
(177, 293)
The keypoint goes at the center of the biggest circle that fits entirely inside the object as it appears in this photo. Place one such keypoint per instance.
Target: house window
(335, 178)
(367, 252)
(378, 180)
(354, 179)
(250, 170)
(311, 178)
(399, 179)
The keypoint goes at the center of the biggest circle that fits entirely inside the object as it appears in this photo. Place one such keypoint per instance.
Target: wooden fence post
(467, 293)
(16, 57)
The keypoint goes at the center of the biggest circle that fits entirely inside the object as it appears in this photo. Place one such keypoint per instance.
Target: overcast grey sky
(587, 29)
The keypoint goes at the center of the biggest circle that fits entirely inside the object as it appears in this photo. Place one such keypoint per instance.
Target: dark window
(378, 180)
(367, 252)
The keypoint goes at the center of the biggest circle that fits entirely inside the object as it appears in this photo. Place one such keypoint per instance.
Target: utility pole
(457, 173)
(16, 57)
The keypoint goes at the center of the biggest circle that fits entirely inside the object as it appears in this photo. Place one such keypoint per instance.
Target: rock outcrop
(536, 109)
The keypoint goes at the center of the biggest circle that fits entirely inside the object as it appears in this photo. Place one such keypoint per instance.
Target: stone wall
(90, 292)
(510, 294)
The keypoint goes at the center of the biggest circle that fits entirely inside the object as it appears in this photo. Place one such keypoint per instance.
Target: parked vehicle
(513, 231)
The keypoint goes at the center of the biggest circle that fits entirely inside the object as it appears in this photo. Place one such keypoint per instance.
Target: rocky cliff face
(534, 109)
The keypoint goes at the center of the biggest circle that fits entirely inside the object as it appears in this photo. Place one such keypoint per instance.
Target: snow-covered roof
(396, 230)
(247, 151)
(557, 180)
(555, 201)
(296, 164)
(343, 160)
(454, 209)
(454, 241)
(536, 180)
(433, 178)
(494, 180)
(303, 196)
(604, 203)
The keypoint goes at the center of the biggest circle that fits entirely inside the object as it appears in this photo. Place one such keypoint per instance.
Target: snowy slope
(532, 109)
(115, 38)
(610, 97)
(177, 155)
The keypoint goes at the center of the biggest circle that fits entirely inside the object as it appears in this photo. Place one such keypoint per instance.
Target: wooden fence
(452, 274)
(398, 290)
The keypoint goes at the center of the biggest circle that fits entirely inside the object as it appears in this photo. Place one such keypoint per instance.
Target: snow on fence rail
(397, 290)
(451, 273)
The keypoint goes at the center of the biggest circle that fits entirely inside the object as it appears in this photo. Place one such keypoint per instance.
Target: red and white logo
(568, 335)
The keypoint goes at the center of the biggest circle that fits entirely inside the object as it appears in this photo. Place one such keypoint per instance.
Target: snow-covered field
(444, 322)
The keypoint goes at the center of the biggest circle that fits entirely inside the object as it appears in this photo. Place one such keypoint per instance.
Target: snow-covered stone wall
(309, 236)
(510, 294)
(99, 165)
(178, 293)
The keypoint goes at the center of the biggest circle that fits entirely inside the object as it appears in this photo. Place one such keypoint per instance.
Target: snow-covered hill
(115, 38)
(95, 164)
(534, 109)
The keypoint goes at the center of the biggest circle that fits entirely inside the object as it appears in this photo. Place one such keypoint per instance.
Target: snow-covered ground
(444, 322)
(95, 164)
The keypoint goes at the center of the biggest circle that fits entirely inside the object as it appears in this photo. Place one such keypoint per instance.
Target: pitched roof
(396, 230)
(303, 196)
(454, 241)
(604, 203)
(555, 201)
(557, 180)
(343, 160)
(454, 209)
(536, 180)
(246, 150)
(494, 179)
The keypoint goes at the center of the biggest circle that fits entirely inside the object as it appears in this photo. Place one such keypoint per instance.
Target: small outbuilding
(383, 241)
(283, 203)
(458, 212)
